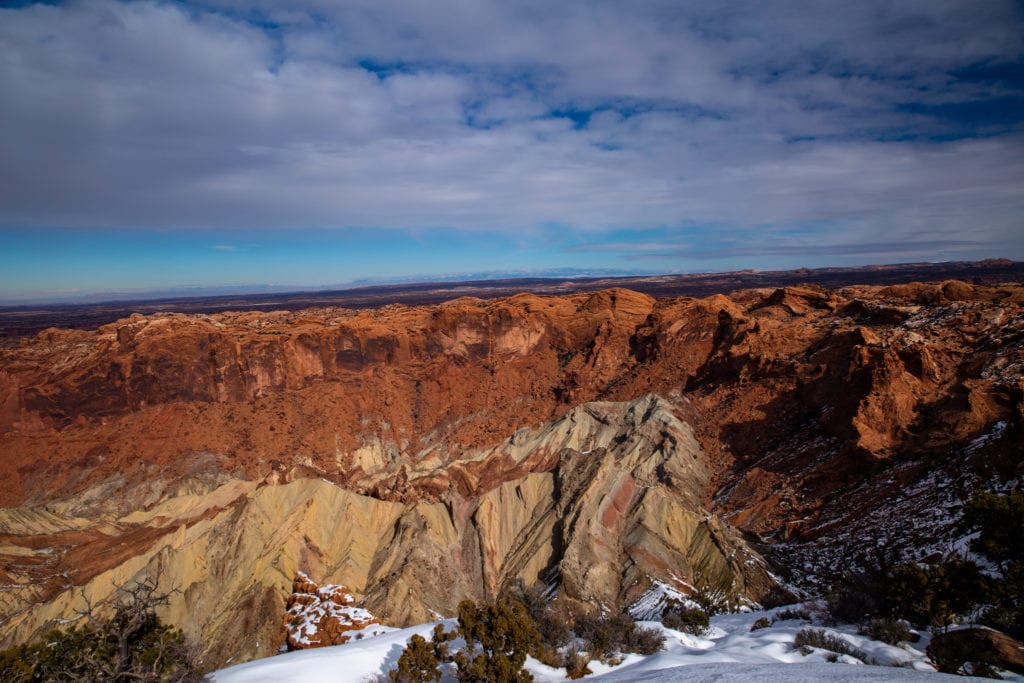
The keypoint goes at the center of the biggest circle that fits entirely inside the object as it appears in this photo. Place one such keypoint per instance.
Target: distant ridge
(26, 320)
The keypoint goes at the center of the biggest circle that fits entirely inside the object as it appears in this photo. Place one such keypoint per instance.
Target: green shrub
(912, 588)
(856, 596)
(944, 592)
(553, 620)
(420, 661)
(498, 637)
(941, 593)
(440, 641)
(643, 641)
(935, 594)
(925, 595)
(603, 634)
(132, 645)
(891, 631)
(610, 634)
(961, 656)
(859, 592)
(681, 618)
(999, 520)
(17, 663)
(417, 664)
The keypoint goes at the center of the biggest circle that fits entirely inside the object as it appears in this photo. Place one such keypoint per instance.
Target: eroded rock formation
(423, 455)
(318, 616)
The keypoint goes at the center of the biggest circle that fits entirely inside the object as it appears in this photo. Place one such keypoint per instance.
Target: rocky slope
(420, 455)
(602, 499)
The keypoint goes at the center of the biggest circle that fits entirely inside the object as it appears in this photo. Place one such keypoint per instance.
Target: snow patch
(729, 653)
(651, 605)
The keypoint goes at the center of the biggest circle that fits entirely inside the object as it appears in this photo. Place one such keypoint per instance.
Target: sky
(155, 145)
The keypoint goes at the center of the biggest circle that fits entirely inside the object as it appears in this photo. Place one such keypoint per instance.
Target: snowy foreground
(729, 653)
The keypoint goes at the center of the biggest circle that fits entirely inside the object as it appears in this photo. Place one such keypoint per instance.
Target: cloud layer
(743, 129)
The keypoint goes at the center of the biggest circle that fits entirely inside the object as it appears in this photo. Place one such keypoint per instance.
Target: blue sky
(155, 145)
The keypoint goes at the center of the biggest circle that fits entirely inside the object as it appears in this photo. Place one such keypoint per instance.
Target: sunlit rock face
(602, 442)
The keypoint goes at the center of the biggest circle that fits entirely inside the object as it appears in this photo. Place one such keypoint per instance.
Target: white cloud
(440, 114)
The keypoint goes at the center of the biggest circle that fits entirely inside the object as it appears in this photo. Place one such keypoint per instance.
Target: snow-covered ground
(783, 673)
(729, 652)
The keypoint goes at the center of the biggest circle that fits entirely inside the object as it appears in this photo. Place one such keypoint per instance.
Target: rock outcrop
(602, 442)
(976, 645)
(318, 616)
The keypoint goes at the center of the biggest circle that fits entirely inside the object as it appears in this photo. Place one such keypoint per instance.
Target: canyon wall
(419, 455)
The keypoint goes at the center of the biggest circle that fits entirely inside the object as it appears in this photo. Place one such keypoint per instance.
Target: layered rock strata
(422, 455)
(601, 501)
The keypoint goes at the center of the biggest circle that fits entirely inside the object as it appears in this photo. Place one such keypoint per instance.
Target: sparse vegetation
(418, 663)
(644, 641)
(891, 631)
(678, 616)
(792, 613)
(808, 638)
(608, 635)
(500, 635)
(131, 645)
(576, 663)
(933, 595)
(953, 655)
(999, 520)
(605, 635)
(554, 620)
(883, 594)
(715, 598)
(779, 597)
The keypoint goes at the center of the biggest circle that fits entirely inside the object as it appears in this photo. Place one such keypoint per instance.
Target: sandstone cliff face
(423, 455)
(604, 500)
(349, 395)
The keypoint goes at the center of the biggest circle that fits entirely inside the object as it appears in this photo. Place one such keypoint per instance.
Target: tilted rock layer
(423, 455)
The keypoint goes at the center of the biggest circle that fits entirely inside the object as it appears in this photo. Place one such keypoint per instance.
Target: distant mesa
(28, 318)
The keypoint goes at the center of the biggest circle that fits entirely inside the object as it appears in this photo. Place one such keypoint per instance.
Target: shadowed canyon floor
(420, 455)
